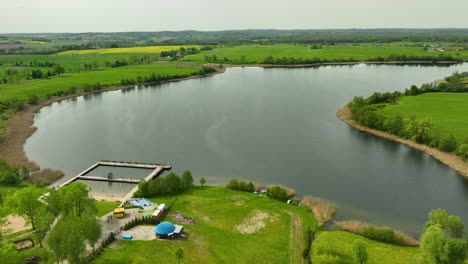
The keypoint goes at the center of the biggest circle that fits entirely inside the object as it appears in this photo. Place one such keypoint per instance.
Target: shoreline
(339, 63)
(451, 160)
(21, 126)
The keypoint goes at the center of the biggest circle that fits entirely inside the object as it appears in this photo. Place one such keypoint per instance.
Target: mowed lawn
(341, 244)
(104, 207)
(220, 214)
(258, 53)
(448, 111)
(110, 76)
(150, 49)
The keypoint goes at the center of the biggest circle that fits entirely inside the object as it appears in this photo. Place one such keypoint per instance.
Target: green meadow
(222, 215)
(108, 77)
(340, 244)
(257, 53)
(448, 111)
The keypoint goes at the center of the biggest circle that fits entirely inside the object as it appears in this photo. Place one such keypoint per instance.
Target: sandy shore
(109, 197)
(20, 127)
(451, 160)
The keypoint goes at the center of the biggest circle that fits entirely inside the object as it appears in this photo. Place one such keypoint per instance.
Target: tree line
(76, 224)
(392, 57)
(367, 112)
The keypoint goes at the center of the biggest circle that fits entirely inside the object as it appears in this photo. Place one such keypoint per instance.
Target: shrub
(448, 143)
(33, 99)
(463, 150)
(234, 184)
(278, 193)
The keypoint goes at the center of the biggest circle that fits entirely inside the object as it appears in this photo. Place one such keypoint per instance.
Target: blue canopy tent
(164, 229)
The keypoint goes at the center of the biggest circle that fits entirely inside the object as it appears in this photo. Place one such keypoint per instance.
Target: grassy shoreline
(449, 159)
(21, 125)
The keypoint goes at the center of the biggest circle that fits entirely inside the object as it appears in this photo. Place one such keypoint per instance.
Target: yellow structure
(119, 212)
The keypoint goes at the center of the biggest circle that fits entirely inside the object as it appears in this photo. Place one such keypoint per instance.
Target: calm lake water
(270, 126)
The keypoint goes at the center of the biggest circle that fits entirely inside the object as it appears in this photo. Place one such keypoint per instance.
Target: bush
(448, 143)
(234, 184)
(33, 99)
(463, 150)
(382, 234)
(278, 193)
(170, 184)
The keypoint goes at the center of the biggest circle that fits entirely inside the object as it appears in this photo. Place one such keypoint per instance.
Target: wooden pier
(157, 169)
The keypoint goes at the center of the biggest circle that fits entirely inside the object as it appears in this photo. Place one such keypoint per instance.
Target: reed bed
(322, 210)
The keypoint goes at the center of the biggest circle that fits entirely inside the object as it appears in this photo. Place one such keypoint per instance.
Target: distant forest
(66, 41)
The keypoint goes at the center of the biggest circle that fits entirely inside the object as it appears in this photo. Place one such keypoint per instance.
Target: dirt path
(451, 160)
(296, 241)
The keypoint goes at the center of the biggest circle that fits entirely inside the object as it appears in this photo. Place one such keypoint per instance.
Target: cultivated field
(362, 52)
(448, 111)
(151, 49)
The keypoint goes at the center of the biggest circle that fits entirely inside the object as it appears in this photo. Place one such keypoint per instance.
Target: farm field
(221, 215)
(448, 111)
(257, 53)
(111, 76)
(150, 49)
(341, 245)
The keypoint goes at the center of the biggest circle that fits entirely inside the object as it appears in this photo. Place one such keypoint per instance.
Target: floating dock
(157, 169)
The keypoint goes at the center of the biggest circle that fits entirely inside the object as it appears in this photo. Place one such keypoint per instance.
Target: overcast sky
(20, 16)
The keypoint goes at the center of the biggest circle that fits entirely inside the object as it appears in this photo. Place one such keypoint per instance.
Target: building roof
(164, 228)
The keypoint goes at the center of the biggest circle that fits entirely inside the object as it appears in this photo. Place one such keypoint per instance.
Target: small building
(119, 212)
(167, 230)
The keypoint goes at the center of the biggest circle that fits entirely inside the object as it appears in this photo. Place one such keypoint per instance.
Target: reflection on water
(270, 126)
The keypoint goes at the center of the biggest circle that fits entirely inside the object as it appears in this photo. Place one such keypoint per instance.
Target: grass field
(341, 244)
(106, 77)
(215, 238)
(105, 207)
(448, 111)
(257, 53)
(151, 49)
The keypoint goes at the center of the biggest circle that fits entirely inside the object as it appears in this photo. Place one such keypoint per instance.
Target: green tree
(72, 198)
(70, 246)
(202, 181)
(187, 179)
(179, 254)
(9, 254)
(448, 143)
(394, 124)
(454, 251)
(92, 229)
(433, 242)
(360, 251)
(463, 150)
(58, 69)
(455, 226)
(25, 202)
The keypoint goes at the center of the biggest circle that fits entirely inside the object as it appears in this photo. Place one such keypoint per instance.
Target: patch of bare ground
(322, 210)
(16, 224)
(357, 227)
(179, 217)
(256, 221)
(449, 159)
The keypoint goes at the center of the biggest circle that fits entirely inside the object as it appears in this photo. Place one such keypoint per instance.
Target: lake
(269, 126)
